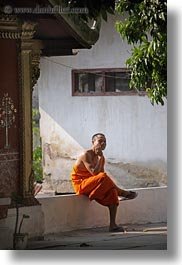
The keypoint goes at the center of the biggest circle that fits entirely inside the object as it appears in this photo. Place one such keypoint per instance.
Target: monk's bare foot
(116, 229)
(129, 196)
(123, 193)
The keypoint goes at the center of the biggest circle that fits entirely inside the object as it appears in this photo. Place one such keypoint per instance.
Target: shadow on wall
(60, 151)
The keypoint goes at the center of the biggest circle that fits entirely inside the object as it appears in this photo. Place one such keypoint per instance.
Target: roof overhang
(60, 33)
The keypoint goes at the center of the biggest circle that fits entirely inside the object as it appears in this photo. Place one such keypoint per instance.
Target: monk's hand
(100, 154)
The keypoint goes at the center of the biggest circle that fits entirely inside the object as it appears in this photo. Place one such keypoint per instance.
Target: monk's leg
(113, 226)
(97, 186)
(112, 214)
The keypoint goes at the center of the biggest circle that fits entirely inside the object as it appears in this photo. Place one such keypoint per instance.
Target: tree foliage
(145, 27)
(37, 152)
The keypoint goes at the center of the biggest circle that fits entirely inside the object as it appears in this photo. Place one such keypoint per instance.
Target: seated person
(89, 178)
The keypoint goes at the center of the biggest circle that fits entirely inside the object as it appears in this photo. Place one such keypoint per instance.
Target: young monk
(89, 178)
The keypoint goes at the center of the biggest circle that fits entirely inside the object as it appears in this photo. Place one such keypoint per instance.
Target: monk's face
(99, 143)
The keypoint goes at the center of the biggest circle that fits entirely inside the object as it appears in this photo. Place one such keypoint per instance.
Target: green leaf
(148, 60)
(104, 14)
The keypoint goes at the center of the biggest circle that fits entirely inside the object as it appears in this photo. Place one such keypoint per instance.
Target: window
(95, 82)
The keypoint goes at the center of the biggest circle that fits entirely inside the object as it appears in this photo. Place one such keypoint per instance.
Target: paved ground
(136, 237)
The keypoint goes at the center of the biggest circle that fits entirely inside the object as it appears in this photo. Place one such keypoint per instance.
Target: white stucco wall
(136, 131)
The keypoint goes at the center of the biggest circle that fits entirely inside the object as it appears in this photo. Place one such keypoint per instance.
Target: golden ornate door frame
(28, 68)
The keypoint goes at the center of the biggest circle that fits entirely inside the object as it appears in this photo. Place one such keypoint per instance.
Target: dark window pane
(122, 81)
(110, 82)
(89, 82)
(99, 82)
(81, 82)
(76, 83)
(95, 82)
(117, 82)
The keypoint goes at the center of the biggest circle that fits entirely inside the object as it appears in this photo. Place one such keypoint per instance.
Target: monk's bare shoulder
(84, 156)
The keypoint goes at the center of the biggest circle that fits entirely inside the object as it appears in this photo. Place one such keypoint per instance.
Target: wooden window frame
(103, 93)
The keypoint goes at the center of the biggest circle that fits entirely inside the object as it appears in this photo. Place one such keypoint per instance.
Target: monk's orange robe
(99, 187)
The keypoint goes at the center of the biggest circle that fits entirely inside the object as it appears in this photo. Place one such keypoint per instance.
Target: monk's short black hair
(96, 134)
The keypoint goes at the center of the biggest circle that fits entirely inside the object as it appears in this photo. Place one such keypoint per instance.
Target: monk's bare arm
(88, 163)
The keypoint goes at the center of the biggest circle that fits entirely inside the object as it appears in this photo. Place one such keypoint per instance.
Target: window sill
(91, 94)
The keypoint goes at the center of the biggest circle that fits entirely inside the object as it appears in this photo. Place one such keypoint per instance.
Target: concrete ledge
(70, 212)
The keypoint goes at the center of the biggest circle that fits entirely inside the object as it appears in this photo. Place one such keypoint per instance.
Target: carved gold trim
(29, 73)
(28, 30)
(10, 35)
(7, 116)
(10, 27)
(27, 87)
(26, 118)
